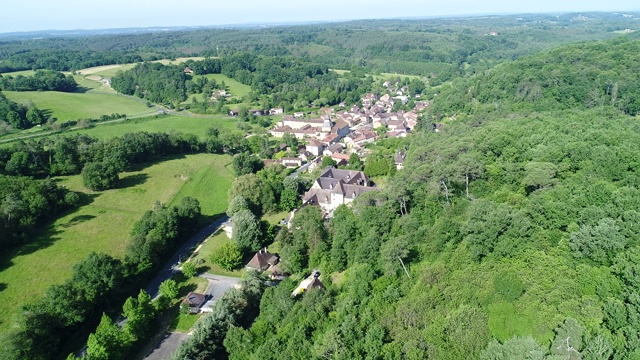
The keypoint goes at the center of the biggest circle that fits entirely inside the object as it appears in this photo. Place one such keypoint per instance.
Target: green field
(166, 123)
(180, 60)
(109, 71)
(104, 224)
(78, 105)
(236, 88)
(204, 256)
(16, 73)
(382, 76)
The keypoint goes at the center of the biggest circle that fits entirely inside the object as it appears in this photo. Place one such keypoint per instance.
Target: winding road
(185, 250)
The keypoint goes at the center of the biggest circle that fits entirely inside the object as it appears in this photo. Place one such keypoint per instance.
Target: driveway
(218, 285)
(167, 346)
(185, 250)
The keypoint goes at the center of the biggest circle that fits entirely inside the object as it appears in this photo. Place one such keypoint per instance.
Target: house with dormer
(335, 187)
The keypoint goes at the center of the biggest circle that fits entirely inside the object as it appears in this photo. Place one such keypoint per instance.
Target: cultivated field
(103, 224)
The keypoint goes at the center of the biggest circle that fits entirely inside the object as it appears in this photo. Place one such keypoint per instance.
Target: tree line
(18, 116)
(439, 48)
(42, 80)
(26, 204)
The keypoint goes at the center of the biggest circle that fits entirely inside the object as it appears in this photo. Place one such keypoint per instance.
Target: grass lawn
(210, 245)
(183, 322)
(78, 105)
(103, 224)
(236, 88)
(16, 73)
(274, 218)
(160, 123)
(106, 71)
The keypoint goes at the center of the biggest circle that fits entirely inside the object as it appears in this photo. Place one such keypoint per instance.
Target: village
(337, 134)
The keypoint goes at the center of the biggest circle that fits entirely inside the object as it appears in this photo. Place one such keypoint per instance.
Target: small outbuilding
(193, 302)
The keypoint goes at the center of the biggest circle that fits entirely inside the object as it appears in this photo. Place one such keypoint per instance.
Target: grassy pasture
(109, 71)
(16, 73)
(179, 60)
(104, 222)
(382, 76)
(236, 88)
(78, 105)
(162, 123)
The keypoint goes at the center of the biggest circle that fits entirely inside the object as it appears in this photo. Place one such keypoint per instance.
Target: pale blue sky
(28, 15)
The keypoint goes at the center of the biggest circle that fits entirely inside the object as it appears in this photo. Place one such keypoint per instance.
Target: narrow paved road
(218, 286)
(167, 346)
(172, 266)
(302, 168)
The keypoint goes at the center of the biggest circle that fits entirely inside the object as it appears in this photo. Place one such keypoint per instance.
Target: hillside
(519, 232)
(583, 76)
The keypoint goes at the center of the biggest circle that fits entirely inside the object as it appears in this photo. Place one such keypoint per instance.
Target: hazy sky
(28, 15)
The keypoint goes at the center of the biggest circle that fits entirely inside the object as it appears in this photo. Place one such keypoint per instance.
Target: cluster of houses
(338, 134)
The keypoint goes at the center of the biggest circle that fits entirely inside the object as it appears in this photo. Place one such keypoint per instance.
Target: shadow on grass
(141, 166)
(47, 236)
(3, 286)
(46, 113)
(43, 240)
(78, 219)
(81, 90)
(132, 180)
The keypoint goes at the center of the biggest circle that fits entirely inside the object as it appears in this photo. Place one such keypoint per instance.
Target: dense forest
(518, 229)
(584, 75)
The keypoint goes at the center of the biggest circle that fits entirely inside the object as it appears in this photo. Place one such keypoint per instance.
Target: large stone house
(336, 187)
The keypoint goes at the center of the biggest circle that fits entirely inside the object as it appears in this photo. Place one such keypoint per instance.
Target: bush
(228, 256)
(189, 269)
(99, 176)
